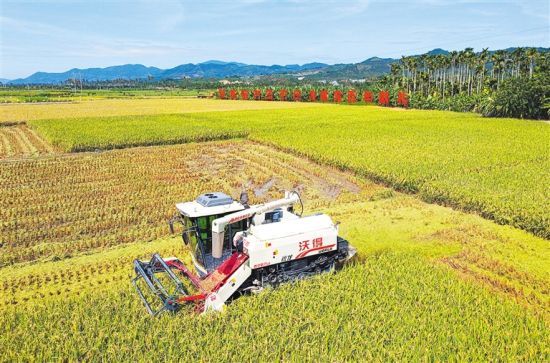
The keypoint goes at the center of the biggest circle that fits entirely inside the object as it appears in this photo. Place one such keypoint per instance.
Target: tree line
(513, 83)
(465, 71)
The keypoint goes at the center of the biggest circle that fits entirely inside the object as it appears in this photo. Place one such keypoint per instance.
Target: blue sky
(55, 36)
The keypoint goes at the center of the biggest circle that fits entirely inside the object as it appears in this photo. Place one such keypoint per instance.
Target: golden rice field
(430, 283)
(499, 168)
(393, 306)
(37, 95)
(423, 269)
(16, 112)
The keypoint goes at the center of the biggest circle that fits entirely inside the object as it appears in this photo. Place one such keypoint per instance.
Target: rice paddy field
(449, 214)
(23, 112)
(499, 168)
(74, 94)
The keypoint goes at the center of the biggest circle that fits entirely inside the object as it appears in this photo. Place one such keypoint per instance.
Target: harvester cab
(196, 218)
(237, 248)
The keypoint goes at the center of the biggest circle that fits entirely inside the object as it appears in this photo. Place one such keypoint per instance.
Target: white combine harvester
(237, 248)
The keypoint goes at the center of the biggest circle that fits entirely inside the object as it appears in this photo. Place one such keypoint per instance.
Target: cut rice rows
(21, 141)
(61, 205)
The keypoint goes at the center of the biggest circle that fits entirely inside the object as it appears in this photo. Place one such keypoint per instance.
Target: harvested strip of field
(120, 107)
(21, 141)
(58, 206)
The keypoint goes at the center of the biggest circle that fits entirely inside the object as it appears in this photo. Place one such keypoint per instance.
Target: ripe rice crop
(499, 168)
(117, 107)
(82, 274)
(393, 306)
(11, 95)
(430, 283)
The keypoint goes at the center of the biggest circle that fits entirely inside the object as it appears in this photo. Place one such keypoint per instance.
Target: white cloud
(168, 15)
(130, 48)
(535, 9)
(30, 27)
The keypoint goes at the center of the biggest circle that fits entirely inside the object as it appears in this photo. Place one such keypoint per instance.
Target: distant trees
(465, 81)
(525, 98)
(464, 71)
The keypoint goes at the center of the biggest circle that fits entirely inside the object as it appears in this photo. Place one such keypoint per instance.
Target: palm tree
(445, 62)
(469, 57)
(413, 62)
(461, 69)
(518, 57)
(483, 59)
(531, 54)
(454, 59)
(395, 69)
(409, 61)
(499, 60)
(404, 69)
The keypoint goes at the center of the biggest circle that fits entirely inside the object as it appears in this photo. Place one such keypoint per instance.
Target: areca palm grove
(465, 71)
(466, 80)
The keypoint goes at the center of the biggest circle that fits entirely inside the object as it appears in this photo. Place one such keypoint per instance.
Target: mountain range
(209, 69)
(368, 68)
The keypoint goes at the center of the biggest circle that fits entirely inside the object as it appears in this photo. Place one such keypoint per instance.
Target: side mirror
(175, 218)
(244, 199)
(171, 225)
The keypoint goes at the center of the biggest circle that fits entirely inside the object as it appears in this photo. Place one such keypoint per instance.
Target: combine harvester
(237, 248)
